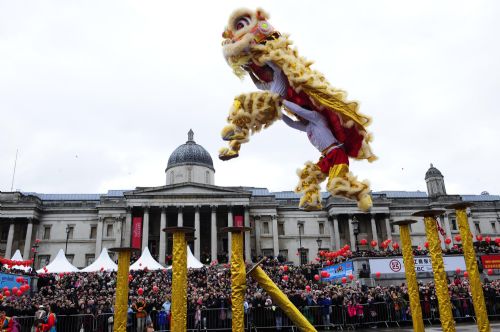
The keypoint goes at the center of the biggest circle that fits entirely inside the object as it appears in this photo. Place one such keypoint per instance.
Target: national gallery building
(83, 224)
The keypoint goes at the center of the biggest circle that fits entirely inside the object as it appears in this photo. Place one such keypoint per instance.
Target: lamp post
(68, 229)
(299, 225)
(319, 241)
(355, 231)
(34, 249)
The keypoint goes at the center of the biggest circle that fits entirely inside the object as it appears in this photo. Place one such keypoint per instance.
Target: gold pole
(411, 276)
(281, 300)
(121, 298)
(483, 324)
(440, 278)
(238, 282)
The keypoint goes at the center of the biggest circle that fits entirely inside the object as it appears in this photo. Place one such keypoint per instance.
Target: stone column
(145, 228)
(332, 233)
(197, 241)
(374, 230)
(256, 220)
(27, 241)
(351, 233)
(276, 246)
(180, 217)
(10, 239)
(127, 233)
(229, 235)
(337, 233)
(447, 227)
(248, 252)
(118, 231)
(388, 228)
(213, 233)
(163, 235)
(98, 241)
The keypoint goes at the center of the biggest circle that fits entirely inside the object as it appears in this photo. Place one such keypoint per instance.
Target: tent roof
(59, 264)
(192, 262)
(102, 262)
(18, 257)
(146, 261)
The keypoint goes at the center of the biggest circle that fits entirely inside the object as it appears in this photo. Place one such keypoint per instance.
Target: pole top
(404, 222)
(235, 229)
(460, 205)
(429, 213)
(255, 265)
(178, 229)
(123, 249)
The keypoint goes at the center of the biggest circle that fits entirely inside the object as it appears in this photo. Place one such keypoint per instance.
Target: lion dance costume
(333, 124)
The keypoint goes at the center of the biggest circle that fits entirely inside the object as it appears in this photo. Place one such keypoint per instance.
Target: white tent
(146, 261)
(192, 262)
(18, 257)
(60, 264)
(103, 262)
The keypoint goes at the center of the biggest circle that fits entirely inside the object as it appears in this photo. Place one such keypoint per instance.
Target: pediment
(186, 189)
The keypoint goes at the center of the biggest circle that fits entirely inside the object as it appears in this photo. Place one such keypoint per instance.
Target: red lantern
(455, 246)
(490, 272)
(324, 274)
(1, 297)
(447, 240)
(479, 237)
(140, 291)
(388, 241)
(487, 239)
(426, 244)
(6, 293)
(155, 289)
(395, 246)
(285, 268)
(346, 247)
(458, 270)
(383, 245)
(466, 274)
(285, 278)
(373, 243)
(351, 277)
(344, 280)
(458, 238)
(308, 288)
(363, 242)
(328, 263)
(497, 241)
(14, 290)
(19, 293)
(378, 274)
(316, 277)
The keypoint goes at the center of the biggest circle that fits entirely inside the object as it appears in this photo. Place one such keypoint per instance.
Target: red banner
(491, 261)
(238, 221)
(136, 232)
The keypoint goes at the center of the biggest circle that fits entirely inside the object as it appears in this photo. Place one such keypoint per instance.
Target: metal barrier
(355, 316)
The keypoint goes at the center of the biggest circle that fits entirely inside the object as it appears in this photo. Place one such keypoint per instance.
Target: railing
(379, 314)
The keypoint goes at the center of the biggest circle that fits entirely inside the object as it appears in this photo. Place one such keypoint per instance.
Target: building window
(89, 259)
(207, 177)
(265, 227)
(5, 232)
(46, 232)
(478, 228)
(284, 254)
(392, 228)
(321, 228)
(69, 232)
(303, 253)
(109, 230)
(93, 231)
(43, 260)
(268, 252)
(494, 226)
(453, 224)
(281, 228)
(70, 258)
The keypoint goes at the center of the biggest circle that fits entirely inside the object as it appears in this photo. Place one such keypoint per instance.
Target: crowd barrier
(379, 314)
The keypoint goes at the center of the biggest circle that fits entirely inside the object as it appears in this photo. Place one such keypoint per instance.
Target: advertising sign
(9, 280)
(422, 264)
(338, 271)
(491, 261)
(136, 232)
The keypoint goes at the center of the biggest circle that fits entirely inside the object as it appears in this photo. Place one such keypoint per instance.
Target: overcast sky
(97, 94)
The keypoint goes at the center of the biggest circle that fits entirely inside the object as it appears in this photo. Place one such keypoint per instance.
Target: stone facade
(88, 222)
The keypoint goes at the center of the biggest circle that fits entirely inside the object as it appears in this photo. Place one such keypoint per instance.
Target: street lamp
(355, 231)
(300, 224)
(68, 230)
(34, 249)
(319, 242)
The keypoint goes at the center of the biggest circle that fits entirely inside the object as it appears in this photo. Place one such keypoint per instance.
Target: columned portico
(388, 228)
(145, 228)
(27, 241)
(351, 233)
(229, 235)
(180, 217)
(374, 230)
(336, 230)
(276, 247)
(248, 252)
(197, 240)
(98, 242)
(213, 233)
(10, 239)
(127, 233)
(163, 236)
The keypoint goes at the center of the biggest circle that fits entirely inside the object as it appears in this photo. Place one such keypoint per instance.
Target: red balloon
(6, 293)
(155, 289)
(389, 241)
(458, 238)
(395, 245)
(328, 263)
(1, 297)
(19, 293)
(344, 280)
(346, 247)
(140, 291)
(479, 237)
(285, 278)
(447, 240)
(363, 242)
(324, 274)
(351, 276)
(373, 243)
(487, 239)
(490, 272)
(14, 290)
(426, 244)
(285, 268)
(466, 274)
(378, 274)
(458, 270)
(308, 288)
(316, 277)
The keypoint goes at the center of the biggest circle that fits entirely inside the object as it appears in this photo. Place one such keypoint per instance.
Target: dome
(433, 172)
(190, 153)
